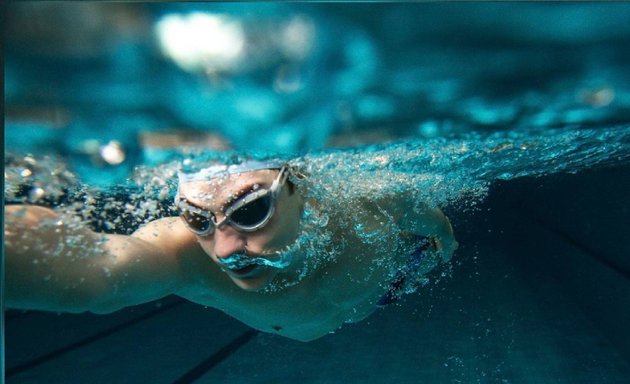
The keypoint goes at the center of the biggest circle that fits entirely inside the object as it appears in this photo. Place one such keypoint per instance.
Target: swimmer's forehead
(228, 187)
(260, 176)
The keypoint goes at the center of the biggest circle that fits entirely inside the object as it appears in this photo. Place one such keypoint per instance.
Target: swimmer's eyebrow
(244, 191)
(188, 202)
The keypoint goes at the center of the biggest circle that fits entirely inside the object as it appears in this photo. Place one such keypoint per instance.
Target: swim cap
(219, 170)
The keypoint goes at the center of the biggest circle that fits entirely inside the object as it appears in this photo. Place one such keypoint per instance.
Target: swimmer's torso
(343, 290)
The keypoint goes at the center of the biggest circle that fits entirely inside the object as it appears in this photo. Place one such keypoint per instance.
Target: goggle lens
(253, 213)
(196, 222)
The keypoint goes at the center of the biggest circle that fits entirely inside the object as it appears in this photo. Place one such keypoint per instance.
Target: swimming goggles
(247, 214)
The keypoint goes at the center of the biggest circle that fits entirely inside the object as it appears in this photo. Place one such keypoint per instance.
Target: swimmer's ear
(296, 175)
(291, 187)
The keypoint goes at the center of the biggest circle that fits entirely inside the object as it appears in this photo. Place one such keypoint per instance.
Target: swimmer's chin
(255, 284)
(252, 288)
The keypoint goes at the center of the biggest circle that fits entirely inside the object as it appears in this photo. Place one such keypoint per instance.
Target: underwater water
(512, 118)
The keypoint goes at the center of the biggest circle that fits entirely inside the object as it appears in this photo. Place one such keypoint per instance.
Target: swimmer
(232, 248)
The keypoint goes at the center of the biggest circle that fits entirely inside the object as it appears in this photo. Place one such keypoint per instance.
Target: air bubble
(35, 194)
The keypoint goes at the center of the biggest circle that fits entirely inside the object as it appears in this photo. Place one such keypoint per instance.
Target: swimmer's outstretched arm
(54, 265)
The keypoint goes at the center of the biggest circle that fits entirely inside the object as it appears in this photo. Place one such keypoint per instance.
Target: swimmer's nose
(228, 241)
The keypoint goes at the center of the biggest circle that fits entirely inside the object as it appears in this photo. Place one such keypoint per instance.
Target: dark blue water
(515, 117)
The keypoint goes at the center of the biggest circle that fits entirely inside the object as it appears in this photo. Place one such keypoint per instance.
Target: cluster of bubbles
(34, 179)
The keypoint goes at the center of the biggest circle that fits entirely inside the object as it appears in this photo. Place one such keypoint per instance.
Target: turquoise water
(515, 118)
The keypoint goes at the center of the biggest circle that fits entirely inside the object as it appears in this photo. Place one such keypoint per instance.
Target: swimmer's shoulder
(197, 272)
(170, 235)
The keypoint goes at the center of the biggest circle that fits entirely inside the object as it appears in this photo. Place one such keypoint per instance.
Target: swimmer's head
(243, 215)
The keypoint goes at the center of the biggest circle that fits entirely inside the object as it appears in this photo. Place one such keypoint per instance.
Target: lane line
(100, 335)
(216, 358)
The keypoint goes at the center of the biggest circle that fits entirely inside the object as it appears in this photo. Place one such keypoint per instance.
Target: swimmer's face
(216, 196)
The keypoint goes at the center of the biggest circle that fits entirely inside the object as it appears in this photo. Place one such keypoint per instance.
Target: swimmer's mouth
(241, 264)
(244, 271)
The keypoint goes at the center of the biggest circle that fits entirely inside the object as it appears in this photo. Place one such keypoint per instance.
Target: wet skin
(319, 304)
(279, 232)
(109, 272)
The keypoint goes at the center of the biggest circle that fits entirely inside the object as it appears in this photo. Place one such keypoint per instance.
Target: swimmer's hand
(432, 223)
(444, 248)
(444, 243)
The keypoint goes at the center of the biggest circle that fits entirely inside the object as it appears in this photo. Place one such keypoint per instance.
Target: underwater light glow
(112, 153)
(201, 41)
(298, 37)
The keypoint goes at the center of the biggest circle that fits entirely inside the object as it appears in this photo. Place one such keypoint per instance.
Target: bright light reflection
(298, 37)
(112, 153)
(201, 41)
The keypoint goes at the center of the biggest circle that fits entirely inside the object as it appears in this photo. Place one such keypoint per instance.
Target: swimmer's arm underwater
(433, 223)
(53, 265)
(420, 219)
